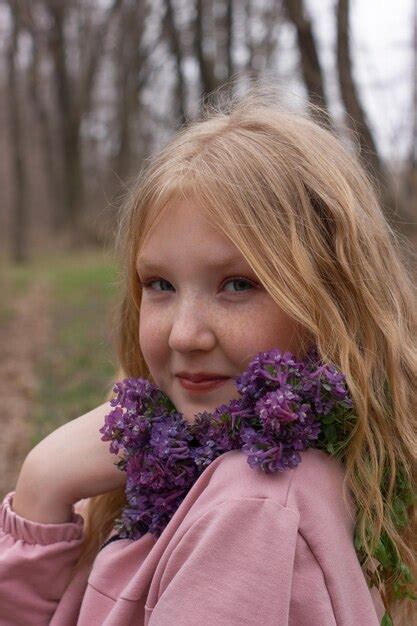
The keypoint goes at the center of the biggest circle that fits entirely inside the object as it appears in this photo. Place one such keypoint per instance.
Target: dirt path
(23, 338)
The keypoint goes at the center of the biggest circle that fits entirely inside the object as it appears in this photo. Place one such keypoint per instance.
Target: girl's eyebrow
(220, 262)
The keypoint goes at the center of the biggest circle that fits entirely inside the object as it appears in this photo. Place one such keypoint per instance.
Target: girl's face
(203, 309)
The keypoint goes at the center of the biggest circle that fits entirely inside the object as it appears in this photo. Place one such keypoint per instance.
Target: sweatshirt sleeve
(234, 565)
(35, 565)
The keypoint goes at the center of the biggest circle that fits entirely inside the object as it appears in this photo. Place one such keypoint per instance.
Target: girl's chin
(189, 413)
(189, 418)
(189, 402)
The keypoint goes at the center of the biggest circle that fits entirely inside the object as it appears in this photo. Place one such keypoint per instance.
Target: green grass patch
(14, 281)
(79, 364)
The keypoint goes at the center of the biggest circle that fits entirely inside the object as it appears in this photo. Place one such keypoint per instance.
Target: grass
(78, 365)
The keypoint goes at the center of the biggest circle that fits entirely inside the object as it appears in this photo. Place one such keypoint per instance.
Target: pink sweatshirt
(244, 548)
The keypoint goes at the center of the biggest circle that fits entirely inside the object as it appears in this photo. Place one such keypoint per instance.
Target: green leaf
(386, 620)
(407, 497)
(121, 464)
(402, 592)
(331, 433)
(409, 594)
(392, 552)
(406, 573)
(345, 404)
(381, 554)
(328, 419)
(402, 478)
(400, 512)
(357, 541)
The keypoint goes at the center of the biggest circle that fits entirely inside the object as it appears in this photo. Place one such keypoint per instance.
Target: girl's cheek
(239, 330)
(151, 334)
(261, 330)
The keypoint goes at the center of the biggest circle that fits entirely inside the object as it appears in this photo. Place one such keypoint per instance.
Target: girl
(254, 229)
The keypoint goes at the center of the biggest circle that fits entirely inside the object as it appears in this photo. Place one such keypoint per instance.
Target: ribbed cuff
(36, 532)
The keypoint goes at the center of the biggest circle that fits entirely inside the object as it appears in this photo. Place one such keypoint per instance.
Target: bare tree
(131, 74)
(174, 39)
(393, 203)
(217, 35)
(69, 41)
(229, 40)
(73, 96)
(203, 41)
(309, 58)
(263, 50)
(53, 172)
(356, 115)
(19, 241)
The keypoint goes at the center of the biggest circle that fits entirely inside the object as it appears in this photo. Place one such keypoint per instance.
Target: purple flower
(278, 414)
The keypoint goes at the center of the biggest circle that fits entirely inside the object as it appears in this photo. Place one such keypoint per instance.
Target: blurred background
(89, 89)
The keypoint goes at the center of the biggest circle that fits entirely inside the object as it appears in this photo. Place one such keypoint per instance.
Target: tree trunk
(175, 43)
(68, 122)
(73, 97)
(52, 168)
(309, 57)
(205, 60)
(356, 119)
(356, 115)
(19, 251)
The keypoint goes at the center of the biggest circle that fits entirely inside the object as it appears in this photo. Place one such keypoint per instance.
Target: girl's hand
(70, 464)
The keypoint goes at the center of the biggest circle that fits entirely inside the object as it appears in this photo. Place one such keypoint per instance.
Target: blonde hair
(303, 212)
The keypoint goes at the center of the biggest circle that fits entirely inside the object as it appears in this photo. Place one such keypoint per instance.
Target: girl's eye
(241, 282)
(147, 284)
(238, 281)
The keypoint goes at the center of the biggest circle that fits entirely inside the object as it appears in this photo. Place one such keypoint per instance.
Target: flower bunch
(285, 406)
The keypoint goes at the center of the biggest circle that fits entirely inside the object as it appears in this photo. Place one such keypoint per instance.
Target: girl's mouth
(205, 385)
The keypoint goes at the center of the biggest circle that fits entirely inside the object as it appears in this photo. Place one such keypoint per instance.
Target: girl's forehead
(183, 216)
(185, 228)
(175, 203)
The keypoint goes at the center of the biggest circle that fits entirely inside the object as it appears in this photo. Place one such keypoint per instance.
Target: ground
(23, 337)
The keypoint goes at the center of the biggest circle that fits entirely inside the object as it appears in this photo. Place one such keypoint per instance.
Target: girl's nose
(192, 328)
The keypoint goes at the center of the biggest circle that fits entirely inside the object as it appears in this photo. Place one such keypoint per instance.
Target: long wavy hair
(305, 215)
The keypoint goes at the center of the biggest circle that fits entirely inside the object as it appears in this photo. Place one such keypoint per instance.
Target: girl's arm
(35, 564)
(41, 536)
(72, 463)
(34, 498)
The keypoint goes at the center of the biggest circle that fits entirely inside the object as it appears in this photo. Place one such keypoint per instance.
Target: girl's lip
(204, 385)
